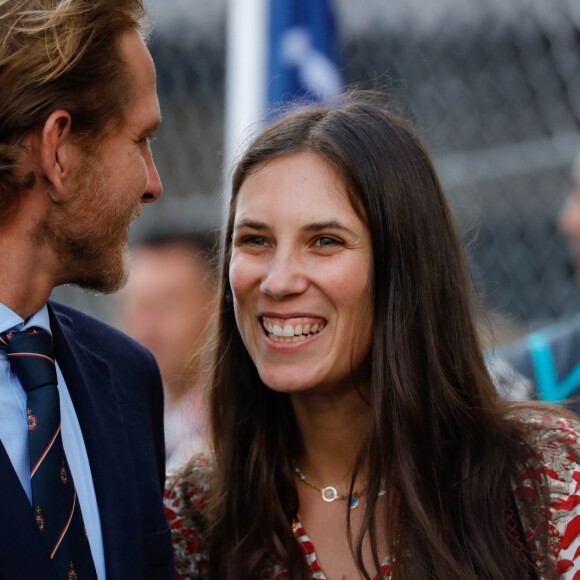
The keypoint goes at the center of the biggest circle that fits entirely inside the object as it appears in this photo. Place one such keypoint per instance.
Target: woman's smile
(292, 329)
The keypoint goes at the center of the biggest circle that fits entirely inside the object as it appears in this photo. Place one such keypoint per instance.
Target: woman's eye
(325, 242)
(252, 241)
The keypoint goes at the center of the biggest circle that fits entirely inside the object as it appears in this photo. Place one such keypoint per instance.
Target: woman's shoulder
(555, 437)
(551, 430)
(186, 498)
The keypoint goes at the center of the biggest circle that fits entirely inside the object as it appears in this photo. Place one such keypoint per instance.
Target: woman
(356, 431)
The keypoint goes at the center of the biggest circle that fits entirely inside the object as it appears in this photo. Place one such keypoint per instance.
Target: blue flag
(303, 57)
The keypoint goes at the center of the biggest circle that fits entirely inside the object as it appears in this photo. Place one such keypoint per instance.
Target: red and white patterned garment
(552, 440)
(310, 554)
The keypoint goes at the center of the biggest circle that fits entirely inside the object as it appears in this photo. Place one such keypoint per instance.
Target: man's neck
(26, 279)
(28, 266)
(23, 300)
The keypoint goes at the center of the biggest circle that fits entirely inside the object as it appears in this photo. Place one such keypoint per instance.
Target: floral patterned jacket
(185, 502)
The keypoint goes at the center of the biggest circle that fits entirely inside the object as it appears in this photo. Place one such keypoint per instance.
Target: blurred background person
(166, 305)
(550, 358)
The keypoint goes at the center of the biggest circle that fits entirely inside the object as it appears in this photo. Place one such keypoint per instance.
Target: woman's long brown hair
(447, 449)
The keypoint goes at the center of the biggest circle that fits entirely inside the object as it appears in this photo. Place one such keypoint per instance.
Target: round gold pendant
(329, 493)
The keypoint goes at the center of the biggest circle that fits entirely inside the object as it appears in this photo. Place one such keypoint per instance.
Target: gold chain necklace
(330, 493)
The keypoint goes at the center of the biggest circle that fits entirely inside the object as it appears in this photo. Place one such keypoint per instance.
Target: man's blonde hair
(60, 54)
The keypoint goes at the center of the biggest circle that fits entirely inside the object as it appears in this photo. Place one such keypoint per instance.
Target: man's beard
(88, 232)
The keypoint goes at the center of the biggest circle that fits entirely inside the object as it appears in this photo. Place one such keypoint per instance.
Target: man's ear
(57, 152)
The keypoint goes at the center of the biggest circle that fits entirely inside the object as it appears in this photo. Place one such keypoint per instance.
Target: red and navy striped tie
(54, 498)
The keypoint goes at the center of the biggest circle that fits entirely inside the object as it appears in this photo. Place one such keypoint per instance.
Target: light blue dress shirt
(14, 434)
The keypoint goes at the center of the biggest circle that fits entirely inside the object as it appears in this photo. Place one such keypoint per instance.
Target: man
(550, 358)
(78, 105)
(167, 306)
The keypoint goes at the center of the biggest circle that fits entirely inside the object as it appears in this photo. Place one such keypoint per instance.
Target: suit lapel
(97, 407)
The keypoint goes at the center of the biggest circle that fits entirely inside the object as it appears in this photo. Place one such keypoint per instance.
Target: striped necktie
(54, 498)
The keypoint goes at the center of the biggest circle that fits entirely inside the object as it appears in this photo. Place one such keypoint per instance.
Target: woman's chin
(281, 384)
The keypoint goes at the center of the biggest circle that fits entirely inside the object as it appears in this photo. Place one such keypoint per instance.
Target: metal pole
(246, 63)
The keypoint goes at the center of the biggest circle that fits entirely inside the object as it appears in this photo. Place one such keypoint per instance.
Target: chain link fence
(493, 87)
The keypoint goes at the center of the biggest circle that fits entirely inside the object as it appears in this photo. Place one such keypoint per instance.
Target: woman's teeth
(292, 330)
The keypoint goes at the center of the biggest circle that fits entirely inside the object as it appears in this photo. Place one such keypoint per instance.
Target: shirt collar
(9, 320)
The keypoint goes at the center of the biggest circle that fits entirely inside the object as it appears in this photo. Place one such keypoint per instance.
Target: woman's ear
(57, 152)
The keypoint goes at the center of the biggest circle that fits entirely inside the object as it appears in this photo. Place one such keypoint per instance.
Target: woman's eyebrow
(251, 224)
(312, 227)
(327, 225)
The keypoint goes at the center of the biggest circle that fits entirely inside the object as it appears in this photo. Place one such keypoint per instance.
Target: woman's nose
(286, 276)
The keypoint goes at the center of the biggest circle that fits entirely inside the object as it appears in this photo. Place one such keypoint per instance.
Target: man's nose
(154, 187)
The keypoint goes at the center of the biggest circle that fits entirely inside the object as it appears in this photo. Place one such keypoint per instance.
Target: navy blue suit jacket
(116, 390)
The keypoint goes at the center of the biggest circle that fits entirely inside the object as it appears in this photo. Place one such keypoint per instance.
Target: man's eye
(146, 140)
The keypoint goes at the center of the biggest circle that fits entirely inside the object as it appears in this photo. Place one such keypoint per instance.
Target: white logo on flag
(316, 71)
